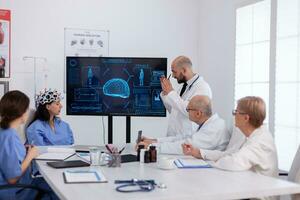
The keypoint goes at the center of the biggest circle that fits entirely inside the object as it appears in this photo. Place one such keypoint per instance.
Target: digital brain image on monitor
(115, 86)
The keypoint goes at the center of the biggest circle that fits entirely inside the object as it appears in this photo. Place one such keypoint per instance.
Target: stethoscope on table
(135, 185)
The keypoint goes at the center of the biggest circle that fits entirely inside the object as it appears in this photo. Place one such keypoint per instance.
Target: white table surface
(183, 184)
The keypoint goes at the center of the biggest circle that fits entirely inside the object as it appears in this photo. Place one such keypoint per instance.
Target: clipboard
(83, 176)
(191, 163)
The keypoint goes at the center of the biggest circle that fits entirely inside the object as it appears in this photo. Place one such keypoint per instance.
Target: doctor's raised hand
(165, 85)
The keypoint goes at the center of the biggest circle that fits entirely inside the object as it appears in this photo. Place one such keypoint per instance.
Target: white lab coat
(179, 123)
(213, 134)
(236, 141)
(258, 153)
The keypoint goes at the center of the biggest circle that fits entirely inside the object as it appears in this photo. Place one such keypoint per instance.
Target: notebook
(84, 176)
(124, 158)
(191, 163)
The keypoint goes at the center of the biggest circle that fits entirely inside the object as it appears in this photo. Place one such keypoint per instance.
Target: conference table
(183, 184)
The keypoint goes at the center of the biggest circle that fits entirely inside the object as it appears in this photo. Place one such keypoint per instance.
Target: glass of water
(95, 154)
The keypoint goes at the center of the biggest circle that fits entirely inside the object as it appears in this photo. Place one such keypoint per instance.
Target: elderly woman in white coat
(257, 153)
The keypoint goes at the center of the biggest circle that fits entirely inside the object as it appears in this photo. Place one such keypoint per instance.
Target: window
(278, 81)
(287, 84)
(252, 51)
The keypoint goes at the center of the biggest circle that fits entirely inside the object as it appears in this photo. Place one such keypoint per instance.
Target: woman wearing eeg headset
(47, 128)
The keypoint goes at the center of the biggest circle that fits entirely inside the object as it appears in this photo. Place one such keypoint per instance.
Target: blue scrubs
(41, 134)
(12, 154)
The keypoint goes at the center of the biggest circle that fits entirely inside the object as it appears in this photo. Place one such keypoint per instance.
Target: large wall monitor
(119, 86)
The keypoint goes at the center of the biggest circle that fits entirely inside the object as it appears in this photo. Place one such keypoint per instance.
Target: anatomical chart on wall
(82, 42)
(4, 43)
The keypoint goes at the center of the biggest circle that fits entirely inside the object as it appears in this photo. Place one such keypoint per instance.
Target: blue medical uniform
(12, 154)
(41, 134)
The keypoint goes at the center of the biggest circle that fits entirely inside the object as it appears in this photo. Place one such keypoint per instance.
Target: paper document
(54, 156)
(56, 153)
(84, 176)
(60, 150)
(191, 163)
(86, 148)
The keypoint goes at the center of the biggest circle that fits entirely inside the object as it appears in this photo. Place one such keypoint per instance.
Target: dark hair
(12, 106)
(41, 113)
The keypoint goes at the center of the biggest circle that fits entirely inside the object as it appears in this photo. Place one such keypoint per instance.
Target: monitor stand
(110, 129)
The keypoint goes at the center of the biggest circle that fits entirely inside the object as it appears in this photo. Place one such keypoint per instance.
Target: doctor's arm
(12, 169)
(205, 139)
(173, 99)
(171, 147)
(165, 102)
(177, 102)
(242, 160)
(32, 152)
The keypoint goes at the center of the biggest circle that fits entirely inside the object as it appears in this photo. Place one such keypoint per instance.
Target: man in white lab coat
(211, 132)
(179, 124)
(257, 152)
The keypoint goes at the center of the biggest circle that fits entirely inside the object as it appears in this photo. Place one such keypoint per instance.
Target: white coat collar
(212, 118)
(189, 82)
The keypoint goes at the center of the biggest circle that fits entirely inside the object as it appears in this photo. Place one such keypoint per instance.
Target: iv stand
(34, 58)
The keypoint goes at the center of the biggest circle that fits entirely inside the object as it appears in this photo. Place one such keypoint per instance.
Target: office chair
(22, 133)
(22, 129)
(40, 192)
(293, 175)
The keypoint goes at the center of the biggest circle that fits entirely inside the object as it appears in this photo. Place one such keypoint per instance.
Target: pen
(121, 150)
(107, 147)
(169, 76)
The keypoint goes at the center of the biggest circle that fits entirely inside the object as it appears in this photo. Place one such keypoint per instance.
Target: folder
(191, 163)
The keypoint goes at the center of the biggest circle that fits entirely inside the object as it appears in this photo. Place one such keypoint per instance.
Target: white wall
(216, 52)
(163, 28)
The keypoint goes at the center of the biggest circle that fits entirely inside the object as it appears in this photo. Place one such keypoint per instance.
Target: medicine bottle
(153, 154)
(147, 157)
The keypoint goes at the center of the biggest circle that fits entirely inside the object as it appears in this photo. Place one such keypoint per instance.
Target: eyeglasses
(190, 109)
(234, 112)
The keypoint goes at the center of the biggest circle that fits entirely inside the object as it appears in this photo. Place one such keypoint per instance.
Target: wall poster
(5, 43)
(83, 42)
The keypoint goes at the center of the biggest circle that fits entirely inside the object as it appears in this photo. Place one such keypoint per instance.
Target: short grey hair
(182, 61)
(202, 103)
